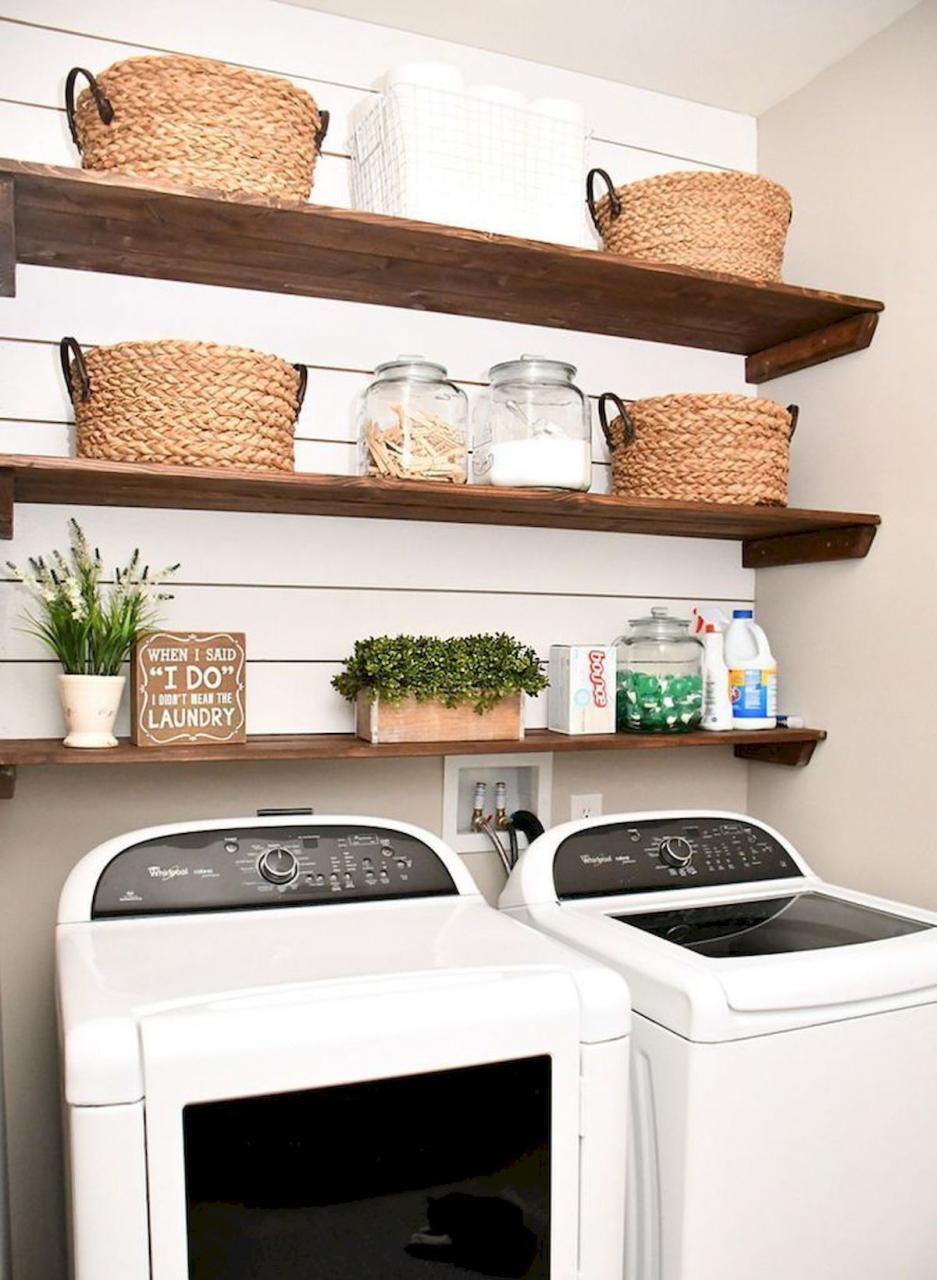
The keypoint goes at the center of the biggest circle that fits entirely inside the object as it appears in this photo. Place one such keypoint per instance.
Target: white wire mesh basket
(455, 158)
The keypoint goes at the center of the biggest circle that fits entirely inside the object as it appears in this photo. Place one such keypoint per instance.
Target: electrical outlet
(581, 807)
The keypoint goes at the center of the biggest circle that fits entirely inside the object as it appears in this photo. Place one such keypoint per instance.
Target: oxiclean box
(582, 688)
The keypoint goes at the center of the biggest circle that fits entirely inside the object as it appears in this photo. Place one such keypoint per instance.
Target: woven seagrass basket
(735, 223)
(187, 404)
(700, 448)
(198, 123)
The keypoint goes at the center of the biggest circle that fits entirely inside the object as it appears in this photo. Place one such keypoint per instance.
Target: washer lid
(719, 926)
(840, 955)
(807, 921)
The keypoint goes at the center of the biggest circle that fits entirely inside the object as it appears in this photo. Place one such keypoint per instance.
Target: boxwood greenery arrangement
(479, 669)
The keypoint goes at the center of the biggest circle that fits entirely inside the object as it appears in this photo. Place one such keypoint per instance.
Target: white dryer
(784, 1123)
(307, 1049)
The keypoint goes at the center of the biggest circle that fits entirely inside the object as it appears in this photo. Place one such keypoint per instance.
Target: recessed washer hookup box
(582, 688)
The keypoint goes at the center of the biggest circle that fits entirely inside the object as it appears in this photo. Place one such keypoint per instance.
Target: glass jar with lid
(533, 427)
(659, 679)
(412, 423)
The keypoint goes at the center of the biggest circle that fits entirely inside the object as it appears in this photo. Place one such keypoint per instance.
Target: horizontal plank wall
(304, 589)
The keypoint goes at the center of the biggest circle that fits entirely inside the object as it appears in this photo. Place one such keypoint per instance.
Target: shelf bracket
(7, 495)
(793, 754)
(850, 543)
(7, 240)
(7, 781)
(839, 339)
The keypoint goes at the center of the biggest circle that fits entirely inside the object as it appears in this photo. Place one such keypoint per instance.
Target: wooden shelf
(792, 747)
(769, 535)
(61, 217)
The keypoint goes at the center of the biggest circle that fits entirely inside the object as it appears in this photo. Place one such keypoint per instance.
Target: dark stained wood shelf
(792, 747)
(62, 217)
(769, 535)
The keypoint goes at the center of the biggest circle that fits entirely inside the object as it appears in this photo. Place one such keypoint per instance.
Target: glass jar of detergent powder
(533, 428)
(659, 678)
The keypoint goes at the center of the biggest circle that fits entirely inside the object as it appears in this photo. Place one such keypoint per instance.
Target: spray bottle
(717, 705)
(705, 616)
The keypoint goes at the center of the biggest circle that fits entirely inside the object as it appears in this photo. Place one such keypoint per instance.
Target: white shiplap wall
(319, 584)
(302, 589)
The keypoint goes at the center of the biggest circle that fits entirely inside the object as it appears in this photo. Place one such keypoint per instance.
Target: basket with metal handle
(191, 404)
(700, 448)
(199, 123)
(710, 220)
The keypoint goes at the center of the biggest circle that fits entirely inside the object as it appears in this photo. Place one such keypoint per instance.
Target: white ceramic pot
(90, 705)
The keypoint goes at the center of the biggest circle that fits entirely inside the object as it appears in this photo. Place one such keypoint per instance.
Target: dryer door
(422, 1127)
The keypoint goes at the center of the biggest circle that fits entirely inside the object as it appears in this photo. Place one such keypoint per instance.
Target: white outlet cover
(585, 806)
(535, 771)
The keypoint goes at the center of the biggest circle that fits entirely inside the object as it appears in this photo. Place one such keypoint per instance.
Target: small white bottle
(753, 674)
(717, 704)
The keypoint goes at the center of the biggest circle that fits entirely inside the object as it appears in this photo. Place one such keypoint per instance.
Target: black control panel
(268, 866)
(667, 853)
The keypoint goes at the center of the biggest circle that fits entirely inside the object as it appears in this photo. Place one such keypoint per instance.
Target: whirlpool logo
(167, 873)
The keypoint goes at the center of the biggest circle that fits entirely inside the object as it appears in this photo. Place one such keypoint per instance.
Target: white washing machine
(307, 1049)
(784, 1047)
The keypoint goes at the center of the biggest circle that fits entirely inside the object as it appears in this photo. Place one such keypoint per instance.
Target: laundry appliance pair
(306, 1047)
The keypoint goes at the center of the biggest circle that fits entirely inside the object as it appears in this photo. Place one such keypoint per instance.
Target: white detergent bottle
(717, 705)
(753, 674)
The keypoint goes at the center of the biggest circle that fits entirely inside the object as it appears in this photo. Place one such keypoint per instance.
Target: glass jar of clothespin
(412, 423)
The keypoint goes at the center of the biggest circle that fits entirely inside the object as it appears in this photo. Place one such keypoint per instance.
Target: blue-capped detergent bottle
(753, 674)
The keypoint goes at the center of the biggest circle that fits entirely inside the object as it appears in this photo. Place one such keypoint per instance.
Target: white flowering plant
(90, 625)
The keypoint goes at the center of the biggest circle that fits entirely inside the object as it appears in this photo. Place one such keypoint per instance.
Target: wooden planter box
(412, 721)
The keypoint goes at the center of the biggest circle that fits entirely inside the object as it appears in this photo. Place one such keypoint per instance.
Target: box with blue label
(582, 688)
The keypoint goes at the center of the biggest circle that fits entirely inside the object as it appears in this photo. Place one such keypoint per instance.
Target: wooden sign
(188, 687)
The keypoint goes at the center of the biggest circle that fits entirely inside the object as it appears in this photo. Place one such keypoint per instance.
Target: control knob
(278, 865)
(676, 851)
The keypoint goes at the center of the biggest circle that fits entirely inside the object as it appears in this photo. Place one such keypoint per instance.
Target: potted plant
(424, 689)
(90, 626)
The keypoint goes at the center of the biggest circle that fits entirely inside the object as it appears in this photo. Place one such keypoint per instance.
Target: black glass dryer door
(437, 1176)
(772, 926)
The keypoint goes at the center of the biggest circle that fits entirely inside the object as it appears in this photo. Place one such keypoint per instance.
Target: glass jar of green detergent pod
(659, 681)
